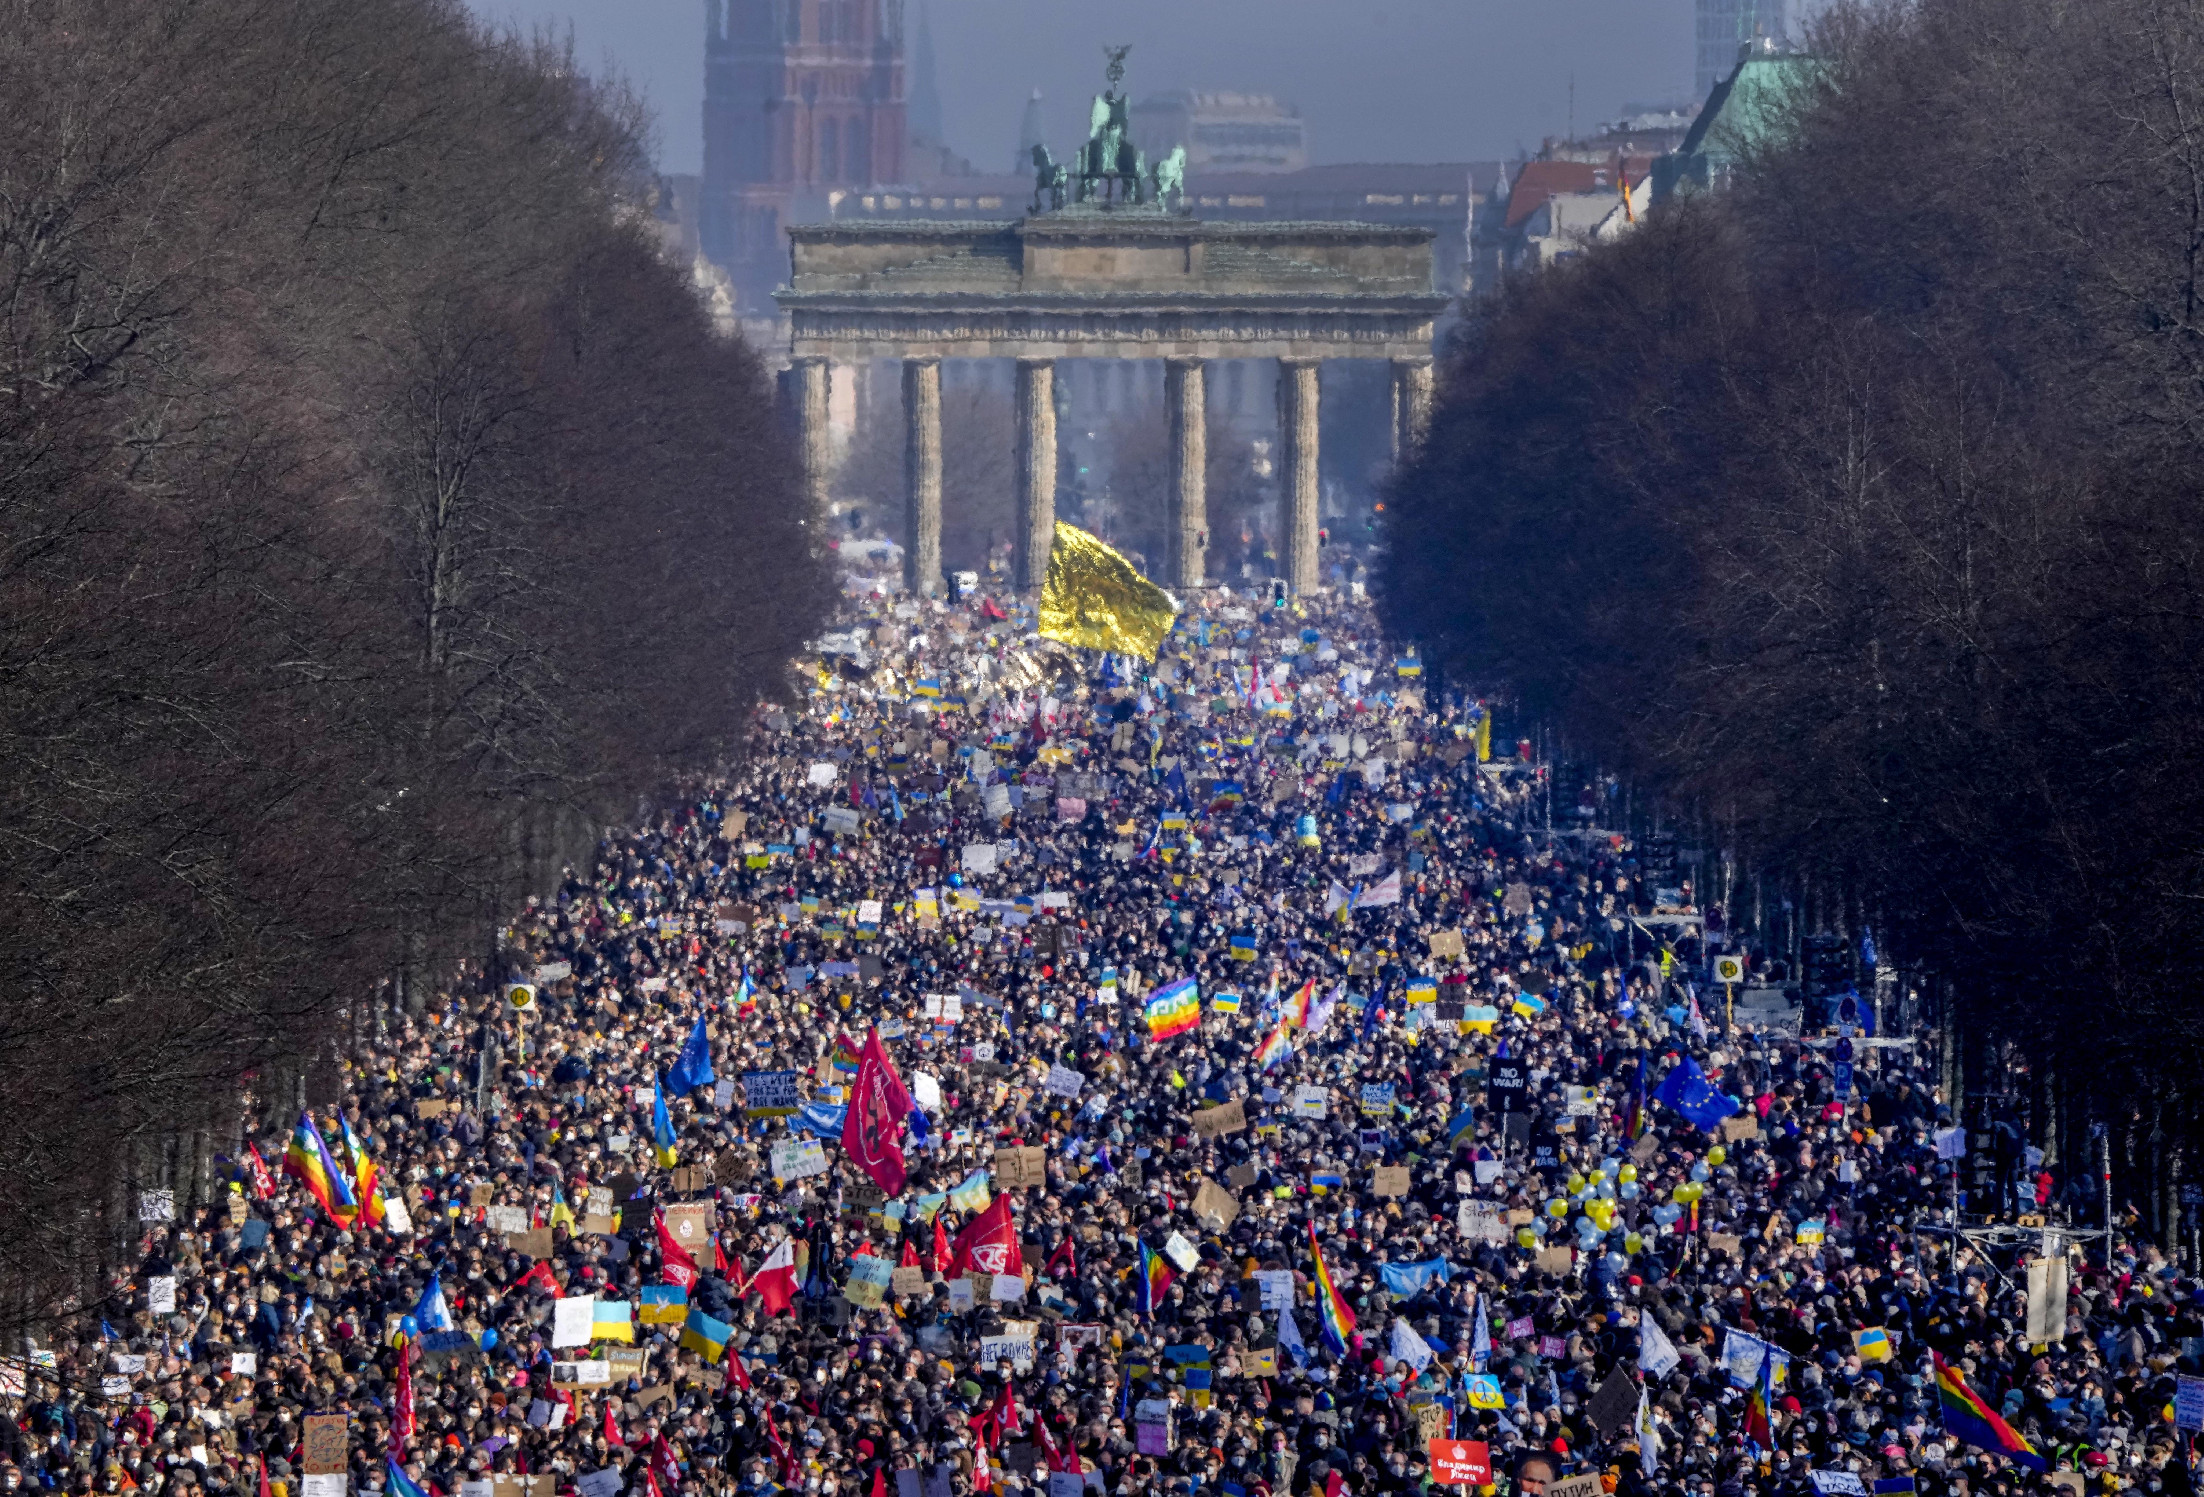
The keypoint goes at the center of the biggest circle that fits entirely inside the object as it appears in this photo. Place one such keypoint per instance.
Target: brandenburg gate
(1112, 274)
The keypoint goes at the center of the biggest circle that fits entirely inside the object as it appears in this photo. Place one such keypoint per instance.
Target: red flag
(540, 1276)
(401, 1405)
(668, 1465)
(791, 1474)
(940, 1254)
(1063, 1258)
(737, 1374)
(910, 1256)
(612, 1430)
(879, 1107)
(775, 1280)
(719, 1256)
(679, 1268)
(263, 1182)
(264, 1492)
(989, 1243)
(879, 1481)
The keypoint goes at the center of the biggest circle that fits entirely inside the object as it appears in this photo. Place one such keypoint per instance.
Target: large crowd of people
(1444, 1168)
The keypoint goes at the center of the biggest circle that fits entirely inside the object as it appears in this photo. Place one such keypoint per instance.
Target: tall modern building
(1225, 132)
(803, 100)
(1726, 27)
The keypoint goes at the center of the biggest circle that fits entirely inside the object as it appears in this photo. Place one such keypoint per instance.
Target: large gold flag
(1093, 597)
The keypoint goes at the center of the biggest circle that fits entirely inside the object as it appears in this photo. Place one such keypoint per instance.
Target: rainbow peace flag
(1297, 1011)
(1155, 1279)
(845, 1054)
(307, 1160)
(1332, 1314)
(1275, 1046)
(397, 1483)
(1967, 1417)
(367, 1180)
(1174, 1009)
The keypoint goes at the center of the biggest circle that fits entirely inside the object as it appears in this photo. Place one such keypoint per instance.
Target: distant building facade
(802, 98)
(1226, 132)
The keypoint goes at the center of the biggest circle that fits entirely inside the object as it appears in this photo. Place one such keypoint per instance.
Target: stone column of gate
(1187, 525)
(813, 436)
(1298, 493)
(1411, 405)
(1036, 469)
(922, 468)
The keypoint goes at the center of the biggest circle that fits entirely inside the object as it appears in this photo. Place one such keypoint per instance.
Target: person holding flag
(308, 1161)
(661, 1128)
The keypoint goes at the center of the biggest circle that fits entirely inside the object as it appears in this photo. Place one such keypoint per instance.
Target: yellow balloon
(1576, 1183)
(1525, 1237)
(1629, 1172)
(1717, 1155)
(1688, 1192)
(1557, 1208)
(1632, 1243)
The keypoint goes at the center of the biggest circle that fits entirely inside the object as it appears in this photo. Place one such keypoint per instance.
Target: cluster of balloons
(1597, 1197)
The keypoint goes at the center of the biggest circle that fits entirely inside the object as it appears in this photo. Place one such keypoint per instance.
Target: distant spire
(1029, 134)
(924, 91)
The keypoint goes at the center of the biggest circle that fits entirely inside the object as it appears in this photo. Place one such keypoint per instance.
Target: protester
(959, 892)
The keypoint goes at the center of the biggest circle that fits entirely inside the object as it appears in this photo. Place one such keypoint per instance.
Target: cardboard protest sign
(1740, 1128)
(1389, 1180)
(533, 1243)
(1576, 1486)
(1216, 1122)
(1556, 1260)
(1215, 1206)
(1446, 943)
(1240, 1176)
(906, 1282)
(690, 1223)
(323, 1451)
(1016, 1169)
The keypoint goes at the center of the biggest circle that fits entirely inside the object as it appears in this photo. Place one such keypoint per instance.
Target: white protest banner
(799, 1159)
(573, 1319)
(1310, 1101)
(1276, 1285)
(1063, 1081)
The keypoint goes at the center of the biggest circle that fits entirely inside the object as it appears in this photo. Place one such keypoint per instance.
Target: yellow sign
(1094, 598)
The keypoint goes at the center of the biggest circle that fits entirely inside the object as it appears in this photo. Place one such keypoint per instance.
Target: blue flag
(1407, 1280)
(1687, 1089)
(694, 1068)
(431, 1313)
(820, 1120)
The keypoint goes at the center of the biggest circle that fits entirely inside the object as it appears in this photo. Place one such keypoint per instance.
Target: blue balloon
(489, 1339)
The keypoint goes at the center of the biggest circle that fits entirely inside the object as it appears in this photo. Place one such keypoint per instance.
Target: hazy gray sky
(1377, 80)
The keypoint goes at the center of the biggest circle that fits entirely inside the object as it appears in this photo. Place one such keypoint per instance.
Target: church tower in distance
(802, 99)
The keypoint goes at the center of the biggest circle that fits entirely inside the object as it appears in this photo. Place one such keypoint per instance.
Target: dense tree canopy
(380, 514)
(1859, 506)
